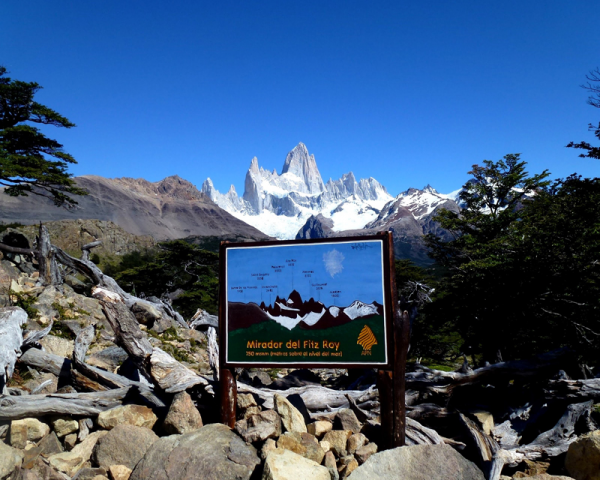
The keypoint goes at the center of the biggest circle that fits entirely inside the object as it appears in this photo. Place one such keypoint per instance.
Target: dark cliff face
(316, 227)
(169, 209)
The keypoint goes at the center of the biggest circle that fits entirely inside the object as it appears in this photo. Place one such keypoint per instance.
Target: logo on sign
(366, 338)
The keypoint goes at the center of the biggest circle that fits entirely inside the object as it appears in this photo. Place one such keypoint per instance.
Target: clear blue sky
(407, 92)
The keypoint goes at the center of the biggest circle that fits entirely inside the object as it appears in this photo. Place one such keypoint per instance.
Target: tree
(481, 285)
(30, 162)
(592, 86)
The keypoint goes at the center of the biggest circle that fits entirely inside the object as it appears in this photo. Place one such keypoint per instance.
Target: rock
(213, 452)
(119, 472)
(284, 464)
(100, 477)
(108, 358)
(319, 427)
(136, 415)
(88, 473)
(70, 441)
(58, 346)
(532, 468)
(145, 313)
(348, 465)
(292, 419)
(245, 400)
(303, 444)
(545, 476)
(485, 420)
(48, 380)
(10, 458)
(250, 411)
(583, 457)
(84, 428)
(355, 441)
(259, 427)
(346, 420)
(338, 439)
(326, 446)
(183, 416)
(50, 445)
(419, 462)
(331, 465)
(64, 426)
(364, 452)
(70, 462)
(123, 445)
(38, 470)
(27, 429)
(267, 447)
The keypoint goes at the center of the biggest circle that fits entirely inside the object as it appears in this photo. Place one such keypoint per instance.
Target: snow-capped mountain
(280, 204)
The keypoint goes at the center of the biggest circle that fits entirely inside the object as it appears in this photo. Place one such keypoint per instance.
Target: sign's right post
(391, 383)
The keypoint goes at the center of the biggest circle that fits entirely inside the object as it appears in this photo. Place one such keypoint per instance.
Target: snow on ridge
(285, 307)
(359, 309)
(310, 319)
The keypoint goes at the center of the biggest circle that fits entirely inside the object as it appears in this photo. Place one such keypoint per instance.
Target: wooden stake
(386, 401)
(228, 390)
(401, 334)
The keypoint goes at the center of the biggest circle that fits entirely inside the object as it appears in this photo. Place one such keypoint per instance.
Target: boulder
(183, 416)
(50, 445)
(583, 457)
(70, 462)
(419, 462)
(292, 419)
(259, 427)
(319, 427)
(284, 464)
(355, 441)
(88, 473)
(58, 346)
(346, 420)
(331, 465)
(119, 472)
(136, 415)
(70, 441)
(303, 444)
(213, 452)
(337, 440)
(364, 452)
(64, 426)
(123, 445)
(347, 465)
(27, 430)
(10, 458)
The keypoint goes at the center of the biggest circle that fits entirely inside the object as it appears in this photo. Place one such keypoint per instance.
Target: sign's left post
(227, 384)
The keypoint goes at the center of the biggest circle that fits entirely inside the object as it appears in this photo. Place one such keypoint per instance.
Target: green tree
(592, 86)
(175, 265)
(481, 283)
(30, 162)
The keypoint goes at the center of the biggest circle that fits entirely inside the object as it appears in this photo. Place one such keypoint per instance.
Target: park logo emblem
(366, 338)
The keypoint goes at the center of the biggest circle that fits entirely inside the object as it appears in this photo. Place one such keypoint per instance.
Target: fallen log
(574, 389)
(172, 376)
(315, 397)
(11, 338)
(417, 434)
(203, 319)
(439, 382)
(47, 362)
(79, 404)
(33, 337)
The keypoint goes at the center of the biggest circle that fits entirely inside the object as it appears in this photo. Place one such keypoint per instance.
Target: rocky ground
(94, 397)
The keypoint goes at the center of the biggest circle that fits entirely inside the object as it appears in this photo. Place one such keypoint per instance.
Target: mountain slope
(169, 209)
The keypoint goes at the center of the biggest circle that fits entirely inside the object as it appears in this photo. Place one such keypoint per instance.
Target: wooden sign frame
(396, 328)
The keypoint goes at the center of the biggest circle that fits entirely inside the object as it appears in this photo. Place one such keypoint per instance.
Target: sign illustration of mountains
(317, 302)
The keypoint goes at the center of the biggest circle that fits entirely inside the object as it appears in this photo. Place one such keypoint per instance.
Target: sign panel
(306, 303)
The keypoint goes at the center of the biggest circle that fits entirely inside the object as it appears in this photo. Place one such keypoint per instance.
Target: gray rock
(89, 473)
(137, 415)
(259, 427)
(284, 464)
(419, 462)
(183, 416)
(10, 458)
(213, 452)
(123, 445)
(303, 444)
(292, 419)
(346, 420)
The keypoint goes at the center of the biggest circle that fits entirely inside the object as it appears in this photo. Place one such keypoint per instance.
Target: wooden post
(386, 401)
(401, 333)
(228, 391)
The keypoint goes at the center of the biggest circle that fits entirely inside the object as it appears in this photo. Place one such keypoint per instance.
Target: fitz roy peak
(280, 204)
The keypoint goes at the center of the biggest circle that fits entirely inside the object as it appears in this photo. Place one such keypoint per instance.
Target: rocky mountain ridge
(169, 209)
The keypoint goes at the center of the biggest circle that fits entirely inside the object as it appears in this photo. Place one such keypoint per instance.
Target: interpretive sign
(323, 302)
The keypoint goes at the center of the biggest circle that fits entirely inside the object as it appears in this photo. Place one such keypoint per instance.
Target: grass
(25, 302)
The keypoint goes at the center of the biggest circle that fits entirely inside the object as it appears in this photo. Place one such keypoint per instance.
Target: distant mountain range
(293, 204)
(294, 312)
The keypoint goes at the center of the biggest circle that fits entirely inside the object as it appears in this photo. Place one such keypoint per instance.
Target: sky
(335, 274)
(410, 93)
